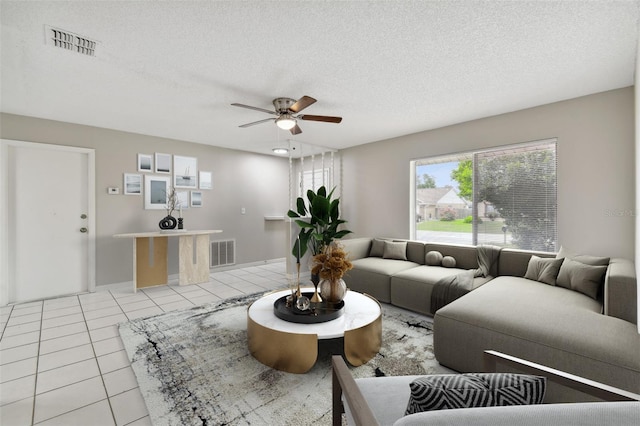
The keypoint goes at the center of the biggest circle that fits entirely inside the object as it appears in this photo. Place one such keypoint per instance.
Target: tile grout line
(5, 324)
(95, 356)
(35, 381)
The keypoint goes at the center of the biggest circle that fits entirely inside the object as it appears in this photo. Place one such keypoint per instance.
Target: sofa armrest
(356, 248)
(620, 290)
(343, 384)
(589, 387)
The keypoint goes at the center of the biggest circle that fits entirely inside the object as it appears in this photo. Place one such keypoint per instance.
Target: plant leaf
(302, 209)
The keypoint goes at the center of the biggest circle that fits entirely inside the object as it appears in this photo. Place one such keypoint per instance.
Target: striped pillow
(446, 391)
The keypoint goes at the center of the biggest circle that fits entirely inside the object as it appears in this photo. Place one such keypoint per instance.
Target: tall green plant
(322, 227)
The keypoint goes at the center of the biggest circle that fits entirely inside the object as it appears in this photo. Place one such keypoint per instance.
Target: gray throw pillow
(449, 262)
(577, 276)
(433, 258)
(395, 250)
(377, 248)
(583, 258)
(543, 270)
(447, 391)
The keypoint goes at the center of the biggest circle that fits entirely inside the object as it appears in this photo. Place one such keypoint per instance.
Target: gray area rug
(194, 368)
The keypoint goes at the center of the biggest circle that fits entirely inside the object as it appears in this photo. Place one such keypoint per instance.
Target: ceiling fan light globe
(285, 122)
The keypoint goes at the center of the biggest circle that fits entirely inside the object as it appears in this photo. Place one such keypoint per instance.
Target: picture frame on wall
(205, 180)
(183, 199)
(145, 163)
(196, 198)
(185, 172)
(156, 191)
(132, 184)
(163, 163)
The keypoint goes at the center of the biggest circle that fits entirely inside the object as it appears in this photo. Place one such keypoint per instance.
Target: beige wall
(258, 183)
(596, 191)
(595, 168)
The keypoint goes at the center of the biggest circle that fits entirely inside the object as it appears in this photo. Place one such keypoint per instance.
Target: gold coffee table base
(290, 352)
(297, 352)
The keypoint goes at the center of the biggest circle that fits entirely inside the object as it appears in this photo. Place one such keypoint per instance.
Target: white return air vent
(67, 40)
(223, 253)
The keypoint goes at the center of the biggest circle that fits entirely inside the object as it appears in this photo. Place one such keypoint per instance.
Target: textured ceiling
(172, 69)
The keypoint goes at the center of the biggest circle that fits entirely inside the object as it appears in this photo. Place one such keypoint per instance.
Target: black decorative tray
(321, 312)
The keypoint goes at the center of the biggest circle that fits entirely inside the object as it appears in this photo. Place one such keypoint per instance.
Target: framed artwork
(183, 199)
(205, 180)
(145, 163)
(196, 198)
(185, 170)
(132, 184)
(156, 191)
(163, 163)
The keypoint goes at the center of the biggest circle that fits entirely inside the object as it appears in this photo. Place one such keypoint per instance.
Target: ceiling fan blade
(255, 108)
(296, 130)
(302, 103)
(257, 122)
(324, 118)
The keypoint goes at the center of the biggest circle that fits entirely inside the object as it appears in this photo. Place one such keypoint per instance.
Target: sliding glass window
(505, 196)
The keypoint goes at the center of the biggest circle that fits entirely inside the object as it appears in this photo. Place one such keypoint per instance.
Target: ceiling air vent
(70, 41)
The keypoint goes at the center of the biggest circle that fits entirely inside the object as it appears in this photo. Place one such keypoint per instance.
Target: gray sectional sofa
(593, 336)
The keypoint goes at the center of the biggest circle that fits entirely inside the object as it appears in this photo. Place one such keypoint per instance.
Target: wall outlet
(113, 191)
(243, 210)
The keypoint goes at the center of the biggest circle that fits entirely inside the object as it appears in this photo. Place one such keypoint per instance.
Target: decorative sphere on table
(302, 303)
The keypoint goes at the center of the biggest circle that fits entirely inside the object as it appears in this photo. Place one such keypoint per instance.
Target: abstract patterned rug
(194, 368)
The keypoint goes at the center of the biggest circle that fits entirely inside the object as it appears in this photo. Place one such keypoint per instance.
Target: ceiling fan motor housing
(282, 105)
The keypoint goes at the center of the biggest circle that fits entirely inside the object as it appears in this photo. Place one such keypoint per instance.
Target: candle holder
(180, 225)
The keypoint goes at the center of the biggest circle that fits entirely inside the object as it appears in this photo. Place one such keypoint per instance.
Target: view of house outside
(514, 194)
(444, 215)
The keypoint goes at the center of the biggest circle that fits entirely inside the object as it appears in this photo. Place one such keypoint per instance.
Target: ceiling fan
(288, 112)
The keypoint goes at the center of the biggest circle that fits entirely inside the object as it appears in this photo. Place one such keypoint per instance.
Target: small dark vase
(315, 279)
(168, 222)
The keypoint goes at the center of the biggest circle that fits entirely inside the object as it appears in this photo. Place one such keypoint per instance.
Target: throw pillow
(449, 262)
(543, 270)
(433, 258)
(377, 248)
(583, 258)
(448, 391)
(577, 276)
(395, 250)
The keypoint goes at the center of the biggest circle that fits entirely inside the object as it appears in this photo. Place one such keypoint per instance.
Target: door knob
(83, 230)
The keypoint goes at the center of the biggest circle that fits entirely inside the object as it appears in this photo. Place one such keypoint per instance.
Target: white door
(49, 222)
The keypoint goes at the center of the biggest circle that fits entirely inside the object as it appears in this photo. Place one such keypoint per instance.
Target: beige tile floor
(62, 361)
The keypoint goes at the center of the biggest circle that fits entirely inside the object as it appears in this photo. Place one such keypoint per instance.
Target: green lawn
(487, 227)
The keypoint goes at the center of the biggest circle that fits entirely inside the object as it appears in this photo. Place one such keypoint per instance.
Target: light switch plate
(113, 191)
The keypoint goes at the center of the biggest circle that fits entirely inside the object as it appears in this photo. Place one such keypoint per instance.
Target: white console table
(150, 257)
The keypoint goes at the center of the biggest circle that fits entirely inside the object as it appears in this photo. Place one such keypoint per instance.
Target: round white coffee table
(293, 347)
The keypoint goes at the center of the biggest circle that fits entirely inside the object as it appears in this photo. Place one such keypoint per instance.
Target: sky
(441, 173)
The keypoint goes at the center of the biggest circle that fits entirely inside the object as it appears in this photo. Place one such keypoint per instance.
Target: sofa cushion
(437, 392)
(372, 275)
(466, 256)
(433, 258)
(395, 250)
(543, 270)
(583, 414)
(377, 248)
(411, 288)
(514, 262)
(581, 277)
(584, 258)
(570, 333)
